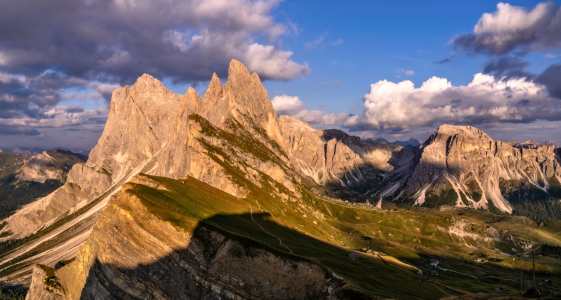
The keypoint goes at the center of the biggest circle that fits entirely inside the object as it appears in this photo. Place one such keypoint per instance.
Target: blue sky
(339, 49)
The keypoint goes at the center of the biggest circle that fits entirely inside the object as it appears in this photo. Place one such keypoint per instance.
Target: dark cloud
(120, 40)
(75, 109)
(513, 27)
(551, 78)
(15, 130)
(23, 95)
(511, 67)
(441, 62)
(47, 49)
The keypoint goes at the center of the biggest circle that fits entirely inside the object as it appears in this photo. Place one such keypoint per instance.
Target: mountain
(152, 130)
(378, 140)
(186, 197)
(25, 179)
(462, 166)
(236, 148)
(23, 152)
(409, 143)
(551, 142)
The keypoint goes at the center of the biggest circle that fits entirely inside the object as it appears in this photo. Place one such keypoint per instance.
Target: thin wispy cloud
(403, 72)
(338, 84)
(313, 44)
(441, 62)
(337, 42)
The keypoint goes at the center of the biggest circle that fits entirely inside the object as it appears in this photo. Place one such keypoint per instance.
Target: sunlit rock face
(463, 166)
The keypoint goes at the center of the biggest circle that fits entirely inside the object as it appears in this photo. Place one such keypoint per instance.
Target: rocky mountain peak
(148, 82)
(445, 131)
(191, 101)
(215, 90)
(249, 102)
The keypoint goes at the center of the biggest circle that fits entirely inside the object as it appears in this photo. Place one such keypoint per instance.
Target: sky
(375, 69)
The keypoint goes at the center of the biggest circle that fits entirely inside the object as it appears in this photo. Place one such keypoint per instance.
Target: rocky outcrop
(43, 285)
(132, 254)
(45, 211)
(234, 124)
(49, 165)
(326, 161)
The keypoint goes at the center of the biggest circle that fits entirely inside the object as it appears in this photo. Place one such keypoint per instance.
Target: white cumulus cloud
(293, 107)
(486, 99)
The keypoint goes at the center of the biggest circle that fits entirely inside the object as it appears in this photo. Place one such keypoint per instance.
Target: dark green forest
(13, 293)
(13, 196)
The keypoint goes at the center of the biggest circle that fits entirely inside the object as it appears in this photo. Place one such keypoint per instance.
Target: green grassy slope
(186, 204)
(326, 232)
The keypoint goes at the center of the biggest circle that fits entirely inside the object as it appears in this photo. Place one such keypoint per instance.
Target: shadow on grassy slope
(219, 263)
(258, 227)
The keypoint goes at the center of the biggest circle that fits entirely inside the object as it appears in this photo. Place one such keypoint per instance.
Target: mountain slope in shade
(409, 143)
(25, 179)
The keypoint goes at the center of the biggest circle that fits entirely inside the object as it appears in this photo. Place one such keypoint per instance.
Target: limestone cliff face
(132, 254)
(332, 156)
(226, 139)
(463, 166)
(234, 124)
(140, 120)
(43, 286)
(324, 160)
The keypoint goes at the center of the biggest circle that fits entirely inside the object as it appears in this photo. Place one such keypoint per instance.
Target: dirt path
(280, 241)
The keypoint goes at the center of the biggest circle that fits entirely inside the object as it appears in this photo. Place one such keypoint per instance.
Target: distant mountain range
(407, 144)
(25, 179)
(24, 152)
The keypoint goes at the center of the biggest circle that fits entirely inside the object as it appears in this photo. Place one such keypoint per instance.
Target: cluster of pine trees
(13, 293)
(13, 196)
(550, 249)
(539, 210)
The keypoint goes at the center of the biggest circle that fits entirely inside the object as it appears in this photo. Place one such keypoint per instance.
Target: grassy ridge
(326, 232)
